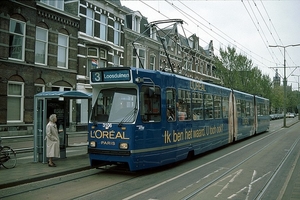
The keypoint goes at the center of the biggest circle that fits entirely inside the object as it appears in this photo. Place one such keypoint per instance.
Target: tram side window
(251, 107)
(243, 108)
(217, 107)
(184, 105)
(238, 107)
(197, 106)
(258, 109)
(171, 104)
(267, 109)
(150, 103)
(225, 105)
(263, 109)
(208, 106)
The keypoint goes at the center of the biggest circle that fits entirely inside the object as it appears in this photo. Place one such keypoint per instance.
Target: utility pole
(284, 80)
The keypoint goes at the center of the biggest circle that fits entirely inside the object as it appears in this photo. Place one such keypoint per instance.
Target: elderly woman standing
(52, 140)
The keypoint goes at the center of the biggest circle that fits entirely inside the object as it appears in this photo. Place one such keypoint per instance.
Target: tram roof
(66, 94)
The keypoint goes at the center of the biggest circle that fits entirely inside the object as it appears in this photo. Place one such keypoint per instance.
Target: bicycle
(8, 157)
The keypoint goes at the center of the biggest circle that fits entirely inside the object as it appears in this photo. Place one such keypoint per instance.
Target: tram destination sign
(110, 75)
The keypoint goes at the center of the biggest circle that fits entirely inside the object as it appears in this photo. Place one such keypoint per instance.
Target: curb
(42, 177)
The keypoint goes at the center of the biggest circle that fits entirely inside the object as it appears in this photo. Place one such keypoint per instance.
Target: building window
(93, 58)
(152, 63)
(178, 49)
(16, 39)
(103, 58)
(136, 24)
(103, 27)
(96, 58)
(89, 22)
(138, 59)
(41, 45)
(15, 101)
(62, 52)
(59, 4)
(117, 33)
(116, 60)
(38, 88)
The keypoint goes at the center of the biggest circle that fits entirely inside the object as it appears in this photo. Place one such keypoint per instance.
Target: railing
(30, 149)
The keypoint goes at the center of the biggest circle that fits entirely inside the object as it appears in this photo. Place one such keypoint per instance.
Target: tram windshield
(115, 106)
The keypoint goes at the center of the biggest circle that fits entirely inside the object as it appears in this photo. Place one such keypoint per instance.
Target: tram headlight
(123, 146)
(92, 144)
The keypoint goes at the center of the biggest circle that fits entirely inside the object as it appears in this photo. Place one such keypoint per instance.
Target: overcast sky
(249, 26)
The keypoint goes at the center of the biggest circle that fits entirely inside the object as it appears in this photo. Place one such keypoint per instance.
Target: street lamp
(284, 79)
(298, 94)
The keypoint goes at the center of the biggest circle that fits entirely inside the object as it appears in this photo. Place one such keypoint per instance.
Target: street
(261, 167)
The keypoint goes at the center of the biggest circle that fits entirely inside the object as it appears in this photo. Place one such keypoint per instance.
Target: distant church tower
(276, 79)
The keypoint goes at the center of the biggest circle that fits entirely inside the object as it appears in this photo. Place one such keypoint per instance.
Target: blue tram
(143, 118)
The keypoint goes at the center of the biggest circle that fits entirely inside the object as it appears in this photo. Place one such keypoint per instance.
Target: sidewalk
(26, 172)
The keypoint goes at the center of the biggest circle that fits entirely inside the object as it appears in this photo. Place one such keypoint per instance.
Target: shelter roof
(67, 94)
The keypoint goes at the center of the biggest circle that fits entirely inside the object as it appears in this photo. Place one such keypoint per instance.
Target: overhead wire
(198, 22)
(222, 33)
(281, 43)
(209, 28)
(212, 29)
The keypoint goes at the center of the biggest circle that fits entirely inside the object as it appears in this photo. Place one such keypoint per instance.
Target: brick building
(52, 45)
(166, 49)
(38, 45)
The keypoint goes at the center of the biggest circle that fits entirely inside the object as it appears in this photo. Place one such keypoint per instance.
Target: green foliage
(236, 71)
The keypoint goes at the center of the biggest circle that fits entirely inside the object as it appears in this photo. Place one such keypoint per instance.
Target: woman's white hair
(52, 117)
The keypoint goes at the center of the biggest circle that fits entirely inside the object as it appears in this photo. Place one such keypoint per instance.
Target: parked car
(290, 115)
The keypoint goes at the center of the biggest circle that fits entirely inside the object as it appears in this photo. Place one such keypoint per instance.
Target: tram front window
(115, 106)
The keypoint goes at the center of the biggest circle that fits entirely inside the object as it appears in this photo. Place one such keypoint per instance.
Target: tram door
(232, 119)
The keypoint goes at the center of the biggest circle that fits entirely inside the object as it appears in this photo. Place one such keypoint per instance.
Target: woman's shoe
(52, 165)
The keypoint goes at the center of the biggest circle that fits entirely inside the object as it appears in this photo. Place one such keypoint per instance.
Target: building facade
(52, 45)
(100, 38)
(38, 45)
(150, 47)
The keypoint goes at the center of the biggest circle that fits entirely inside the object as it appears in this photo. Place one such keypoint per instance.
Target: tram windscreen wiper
(129, 117)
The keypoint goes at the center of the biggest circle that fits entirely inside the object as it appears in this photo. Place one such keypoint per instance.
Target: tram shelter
(53, 102)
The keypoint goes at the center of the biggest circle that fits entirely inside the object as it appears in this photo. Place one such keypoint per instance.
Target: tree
(236, 71)
(276, 99)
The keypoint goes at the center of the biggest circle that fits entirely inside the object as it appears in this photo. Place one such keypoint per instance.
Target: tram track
(279, 167)
(228, 171)
(268, 175)
(263, 190)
